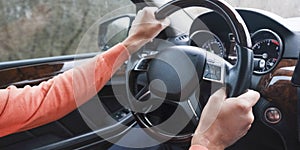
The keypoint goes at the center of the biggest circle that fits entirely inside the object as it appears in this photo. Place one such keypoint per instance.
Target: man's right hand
(224, 121)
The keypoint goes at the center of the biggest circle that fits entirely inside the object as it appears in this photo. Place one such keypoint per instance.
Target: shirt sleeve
(25, 108)
(198, 147)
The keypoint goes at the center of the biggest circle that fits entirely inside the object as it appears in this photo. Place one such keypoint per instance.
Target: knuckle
(248, 119)
(243, 107)
(159, 25)
(148, 10)
(251, 118)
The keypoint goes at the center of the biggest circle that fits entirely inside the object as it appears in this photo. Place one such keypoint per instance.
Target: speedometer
(267, 50)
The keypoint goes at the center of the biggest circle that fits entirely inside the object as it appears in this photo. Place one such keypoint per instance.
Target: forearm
(29, 107)
(22, 109)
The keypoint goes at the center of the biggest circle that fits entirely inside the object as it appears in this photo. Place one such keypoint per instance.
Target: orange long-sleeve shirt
(25, 108)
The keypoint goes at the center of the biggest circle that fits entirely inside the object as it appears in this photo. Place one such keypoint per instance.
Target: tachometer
(267, 50)
(214, 46)
(208, 41)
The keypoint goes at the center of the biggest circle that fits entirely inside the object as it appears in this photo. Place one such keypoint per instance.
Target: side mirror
(114, 30)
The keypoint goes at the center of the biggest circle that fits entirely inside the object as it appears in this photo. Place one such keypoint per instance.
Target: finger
(249, 127)
(219, 94)
(250, 96)
(246, 128)
(211, 110)
(165, 22)
(151, 10)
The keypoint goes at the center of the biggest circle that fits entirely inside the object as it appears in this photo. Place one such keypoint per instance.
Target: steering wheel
(163, 88)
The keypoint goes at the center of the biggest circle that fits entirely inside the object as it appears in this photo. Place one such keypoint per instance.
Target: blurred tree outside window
(283, 8)
(45, 28)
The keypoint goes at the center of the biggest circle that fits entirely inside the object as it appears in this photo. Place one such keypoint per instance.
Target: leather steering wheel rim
(237, 78)
(240, 75)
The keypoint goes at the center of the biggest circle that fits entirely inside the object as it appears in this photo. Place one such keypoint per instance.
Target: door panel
(75, 129)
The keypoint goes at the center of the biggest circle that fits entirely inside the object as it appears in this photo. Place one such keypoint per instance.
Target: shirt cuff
(124, 47)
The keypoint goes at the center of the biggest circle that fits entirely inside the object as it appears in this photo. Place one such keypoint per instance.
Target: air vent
(181, 40)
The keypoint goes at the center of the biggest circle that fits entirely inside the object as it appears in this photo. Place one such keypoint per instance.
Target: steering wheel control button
(273, 115)
(142, 65)
(262, 63)
(214, 69)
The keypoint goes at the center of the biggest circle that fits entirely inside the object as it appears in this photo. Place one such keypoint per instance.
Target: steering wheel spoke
(192, 108)
(142, 65)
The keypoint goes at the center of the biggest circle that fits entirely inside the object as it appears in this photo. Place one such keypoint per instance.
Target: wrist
(133, 44)
(206, 142)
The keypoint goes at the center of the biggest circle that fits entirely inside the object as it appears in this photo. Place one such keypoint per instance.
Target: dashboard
(276, 47)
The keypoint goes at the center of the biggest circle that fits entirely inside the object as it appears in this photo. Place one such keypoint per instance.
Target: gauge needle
(264, 55)
(210, 49)
(258, 55)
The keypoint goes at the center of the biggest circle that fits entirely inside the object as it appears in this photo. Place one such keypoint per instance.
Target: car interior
(237, 47)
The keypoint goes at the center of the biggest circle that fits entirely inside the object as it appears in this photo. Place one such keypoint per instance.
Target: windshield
(286, 8)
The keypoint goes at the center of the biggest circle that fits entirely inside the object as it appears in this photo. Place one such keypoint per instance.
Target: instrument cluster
(267, 48)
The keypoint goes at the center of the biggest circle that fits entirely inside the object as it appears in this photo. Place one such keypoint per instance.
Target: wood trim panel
(277, 88)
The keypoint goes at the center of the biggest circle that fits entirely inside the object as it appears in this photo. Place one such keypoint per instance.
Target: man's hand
(144, 28)
(224, 121)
